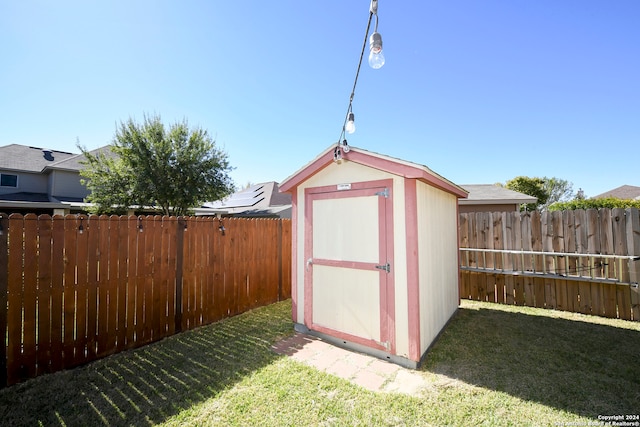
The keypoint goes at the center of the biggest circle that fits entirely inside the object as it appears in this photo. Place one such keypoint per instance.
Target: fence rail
(582, 267)
(582, 261)
(78, 288)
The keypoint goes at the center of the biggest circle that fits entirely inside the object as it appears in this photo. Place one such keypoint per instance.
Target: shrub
(607, 203)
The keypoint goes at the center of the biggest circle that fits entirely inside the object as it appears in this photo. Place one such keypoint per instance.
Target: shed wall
(438, 255)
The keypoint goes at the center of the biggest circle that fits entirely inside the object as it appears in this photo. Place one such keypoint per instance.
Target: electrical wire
(355, 82)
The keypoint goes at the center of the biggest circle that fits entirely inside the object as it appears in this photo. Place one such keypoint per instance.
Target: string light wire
(373, 10)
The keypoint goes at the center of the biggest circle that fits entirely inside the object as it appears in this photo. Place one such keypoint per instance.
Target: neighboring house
(623, 192)
(492, 198)
(260, 200)
(42, 181)
(39, 180)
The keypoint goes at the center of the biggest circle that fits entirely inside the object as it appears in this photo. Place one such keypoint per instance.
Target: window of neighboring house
(7, 180)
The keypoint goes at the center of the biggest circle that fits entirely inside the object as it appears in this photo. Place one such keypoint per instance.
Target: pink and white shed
(375, 253)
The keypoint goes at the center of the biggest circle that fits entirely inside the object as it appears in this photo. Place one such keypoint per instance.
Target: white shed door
(347, 274)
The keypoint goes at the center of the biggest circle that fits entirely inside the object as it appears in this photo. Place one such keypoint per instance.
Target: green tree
(533, 187)
(558, 190)
(175, 169)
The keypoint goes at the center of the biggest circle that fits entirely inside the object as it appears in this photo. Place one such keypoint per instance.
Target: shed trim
(294, 257)
(413, 267)
(386, 289)
(378, 161)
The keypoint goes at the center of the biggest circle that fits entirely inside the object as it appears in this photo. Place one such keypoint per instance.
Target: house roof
(622, 192)
(378, 161)
(26, 197)
(30, 159)
(481, 194)
(75, 163)
(34, 159)
(259, 199)
(30, 200)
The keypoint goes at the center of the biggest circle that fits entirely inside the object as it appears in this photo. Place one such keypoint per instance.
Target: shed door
(348, 285)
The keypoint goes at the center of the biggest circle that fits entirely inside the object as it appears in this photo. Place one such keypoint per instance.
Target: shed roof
(480, 194)
(378, 161)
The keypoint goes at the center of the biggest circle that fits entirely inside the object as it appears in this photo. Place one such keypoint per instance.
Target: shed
(375, 253)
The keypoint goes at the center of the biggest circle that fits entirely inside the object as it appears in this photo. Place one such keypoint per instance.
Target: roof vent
(48, 154)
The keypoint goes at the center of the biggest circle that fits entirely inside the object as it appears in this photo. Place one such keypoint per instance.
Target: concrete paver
(361, 369)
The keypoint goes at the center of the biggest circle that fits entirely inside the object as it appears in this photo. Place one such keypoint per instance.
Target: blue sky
(480, 91)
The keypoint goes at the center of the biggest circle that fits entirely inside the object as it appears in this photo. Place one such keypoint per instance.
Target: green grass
(494, 365)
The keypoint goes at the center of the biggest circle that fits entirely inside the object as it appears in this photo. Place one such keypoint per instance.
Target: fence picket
(44, 294)
(69, 290)
(633, 246)
(57, 288)
(14, 295)
(572, 302)
(93, 261)
(29, 295)
(554, 281)
(131, 313)
(108, 346)
(4, 279)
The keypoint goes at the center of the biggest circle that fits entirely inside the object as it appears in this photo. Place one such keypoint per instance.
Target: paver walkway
(363, 370)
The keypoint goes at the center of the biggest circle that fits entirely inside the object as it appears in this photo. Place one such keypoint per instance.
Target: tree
(558, 190)
(546, 190)
(531, 186)
(175, 169)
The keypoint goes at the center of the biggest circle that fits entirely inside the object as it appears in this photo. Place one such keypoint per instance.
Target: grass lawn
(494, 365)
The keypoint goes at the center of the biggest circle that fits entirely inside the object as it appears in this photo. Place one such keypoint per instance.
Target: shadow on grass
(147, 385)
(575, 364)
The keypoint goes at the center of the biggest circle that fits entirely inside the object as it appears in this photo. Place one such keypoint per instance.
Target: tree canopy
(546, 190)
(175, 169)
(530, 186)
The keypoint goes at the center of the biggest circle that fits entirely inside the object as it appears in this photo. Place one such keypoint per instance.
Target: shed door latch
(386, 267)
(384, 193)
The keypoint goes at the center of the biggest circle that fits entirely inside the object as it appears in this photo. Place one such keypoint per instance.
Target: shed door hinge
(384, 193)
(386, 267)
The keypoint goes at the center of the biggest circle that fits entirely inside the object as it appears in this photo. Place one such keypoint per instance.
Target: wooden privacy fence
(580, 261)
(77, 288)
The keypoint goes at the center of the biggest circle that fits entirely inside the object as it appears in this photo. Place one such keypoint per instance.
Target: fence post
(179, 270)
(279, 239)
(4, 280)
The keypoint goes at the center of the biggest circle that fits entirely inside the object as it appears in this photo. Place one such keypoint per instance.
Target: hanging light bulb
(350, 127)
(376, 58)
(345, 147)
